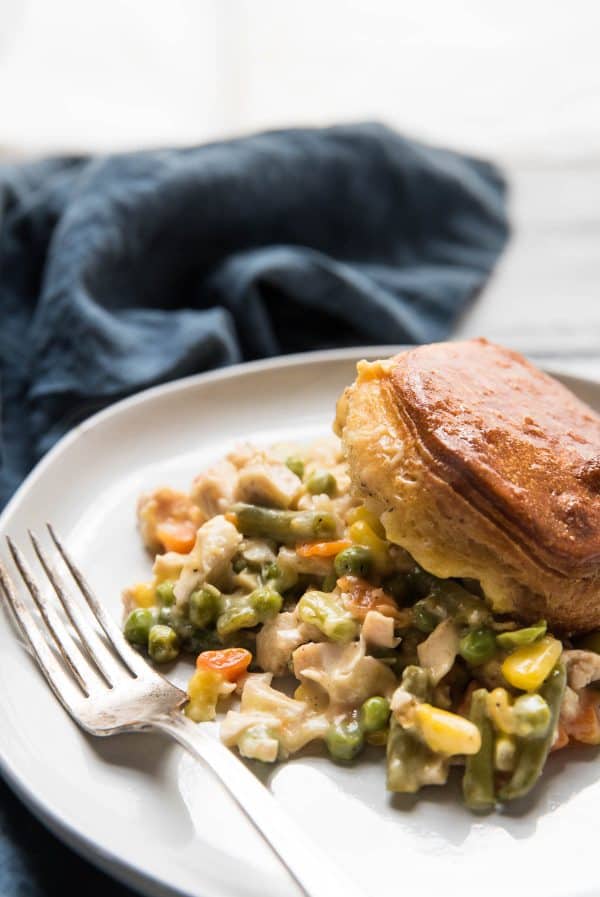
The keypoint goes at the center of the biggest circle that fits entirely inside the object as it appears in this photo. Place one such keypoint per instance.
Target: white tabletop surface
(518, 82)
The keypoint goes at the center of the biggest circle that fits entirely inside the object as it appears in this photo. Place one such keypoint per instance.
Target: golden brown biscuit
(483, 467)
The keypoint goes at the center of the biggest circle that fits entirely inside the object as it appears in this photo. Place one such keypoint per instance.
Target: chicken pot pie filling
(271, 573)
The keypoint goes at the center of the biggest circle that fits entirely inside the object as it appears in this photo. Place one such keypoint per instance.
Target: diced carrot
(322, 549)
(562, 738)
(230, 662)
(585, 727)
(361, 597)
(177, 535)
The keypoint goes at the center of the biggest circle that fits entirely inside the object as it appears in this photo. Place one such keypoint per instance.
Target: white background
(518, 81)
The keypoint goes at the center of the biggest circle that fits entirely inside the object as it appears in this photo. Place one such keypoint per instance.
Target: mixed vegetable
(268, 570)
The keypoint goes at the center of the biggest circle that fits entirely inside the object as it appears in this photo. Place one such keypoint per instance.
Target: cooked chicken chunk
(279, 638)
(213, 490)
(216, 543)
(438, 652)
(345, 672)
(267, 482)
(378, 630)
(583, 667)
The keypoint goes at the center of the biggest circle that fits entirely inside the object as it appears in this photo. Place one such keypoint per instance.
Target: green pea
(590, 642)
(374, 714)
(296, 465)
(165, 593)
(357, 560)
(204, 606)
(423, 619)
(477, 646)
(321, 481)
(344, 740)
(163, 644)
(271, 571)
(266, 602)
(522, 636)
(138, 625)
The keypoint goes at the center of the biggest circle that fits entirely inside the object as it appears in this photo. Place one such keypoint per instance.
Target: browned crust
(454, 524)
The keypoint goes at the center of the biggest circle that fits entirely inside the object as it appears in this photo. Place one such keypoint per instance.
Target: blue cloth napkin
(121, 272)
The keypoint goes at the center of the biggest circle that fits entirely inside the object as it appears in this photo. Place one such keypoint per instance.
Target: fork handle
(312, 870)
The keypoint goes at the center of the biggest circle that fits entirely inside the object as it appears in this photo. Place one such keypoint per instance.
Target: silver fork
(108, 688)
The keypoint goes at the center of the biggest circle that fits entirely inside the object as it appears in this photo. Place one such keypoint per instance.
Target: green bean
(237, 616)
(532, 753)
(478, 779)
(266, 603)
(165, 593)
(327, 612)
(204, 606)
(519, 637)
(357, 560)
(478, 646)
(284, 526)
(449, 599)
(321, 482)
(344, 740)
(296, 465)
(163, 644)
(138, 625)
(408, 759)
(374, 714)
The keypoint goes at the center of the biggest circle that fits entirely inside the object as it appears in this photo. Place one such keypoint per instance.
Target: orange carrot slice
(322, 549)
(230, 662)
(177, 535)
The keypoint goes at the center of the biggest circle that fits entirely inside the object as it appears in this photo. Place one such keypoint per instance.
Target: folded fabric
(122, 272)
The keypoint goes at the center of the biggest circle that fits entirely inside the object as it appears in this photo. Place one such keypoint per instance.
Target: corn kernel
(528, 666)
(143, 594)
(203, 691)
(362, 513)
(361, 534)
(446, 733)
(499, 710)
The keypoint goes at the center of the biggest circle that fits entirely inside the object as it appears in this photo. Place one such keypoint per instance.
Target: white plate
(137, 805)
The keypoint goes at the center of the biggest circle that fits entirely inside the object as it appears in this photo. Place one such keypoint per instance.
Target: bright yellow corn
(143, 594)
(446, 733)
(362, 513)
(499, 709)
(362, 534)
(203, 690)
(528, 666)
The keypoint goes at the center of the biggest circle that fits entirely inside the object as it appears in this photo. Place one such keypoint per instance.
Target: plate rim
(111, 863)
